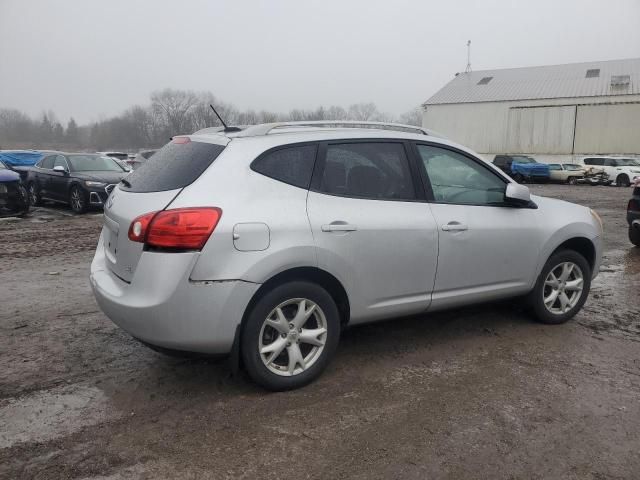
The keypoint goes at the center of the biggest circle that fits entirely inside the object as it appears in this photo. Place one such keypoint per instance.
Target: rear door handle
(454, 227)
(338, 227)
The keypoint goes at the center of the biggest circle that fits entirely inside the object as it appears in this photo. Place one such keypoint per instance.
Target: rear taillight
(633, 206)
(179, 229)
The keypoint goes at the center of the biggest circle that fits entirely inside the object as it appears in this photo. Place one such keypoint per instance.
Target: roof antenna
(468, 69)
(226, 128)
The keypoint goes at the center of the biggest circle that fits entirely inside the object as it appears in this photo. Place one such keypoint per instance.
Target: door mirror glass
(59, 168)
(517, 194)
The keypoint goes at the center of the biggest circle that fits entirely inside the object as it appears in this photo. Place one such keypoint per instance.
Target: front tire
(562, 287)
(634, 236)
(519, 178)
(290, 336)
(572, 181)
(78, 199)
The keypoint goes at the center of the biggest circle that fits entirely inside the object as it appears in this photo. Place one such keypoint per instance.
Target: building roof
(589, 79)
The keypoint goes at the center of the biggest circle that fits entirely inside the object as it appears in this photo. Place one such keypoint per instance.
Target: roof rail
(267, 128)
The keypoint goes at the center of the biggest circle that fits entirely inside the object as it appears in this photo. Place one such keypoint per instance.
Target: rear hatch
(151, 188)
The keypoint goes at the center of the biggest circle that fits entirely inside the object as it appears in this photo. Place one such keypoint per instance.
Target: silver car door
(371, 230)
(487, 249)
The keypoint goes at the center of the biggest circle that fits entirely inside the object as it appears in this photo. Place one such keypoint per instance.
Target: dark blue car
(13, 196)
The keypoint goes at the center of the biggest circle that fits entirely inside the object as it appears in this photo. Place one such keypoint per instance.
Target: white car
(623, 171)
(566, 173)
(265, 242)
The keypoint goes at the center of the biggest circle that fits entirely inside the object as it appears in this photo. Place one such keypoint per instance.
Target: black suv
(79, 179)
(633, 216)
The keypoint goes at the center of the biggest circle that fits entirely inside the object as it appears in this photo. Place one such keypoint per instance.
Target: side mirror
(59, 168)
(517, 194)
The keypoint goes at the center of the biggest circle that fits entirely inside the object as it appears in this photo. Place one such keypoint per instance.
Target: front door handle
(338, 227)
(454, 227)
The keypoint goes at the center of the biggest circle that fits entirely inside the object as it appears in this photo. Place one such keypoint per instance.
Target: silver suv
(265, 242)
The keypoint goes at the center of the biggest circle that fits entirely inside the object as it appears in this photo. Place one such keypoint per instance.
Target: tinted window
(292, 165)
(594, 161)
(47, 162)
(458, 179)
(175, 165)
(2, 166)
(368, 170)
(555, 166)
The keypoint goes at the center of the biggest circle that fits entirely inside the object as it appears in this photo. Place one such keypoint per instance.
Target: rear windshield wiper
(125, 182)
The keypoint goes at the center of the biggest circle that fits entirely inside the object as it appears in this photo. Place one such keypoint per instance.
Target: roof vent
(484, 80)
(592, 73)
(620, 80)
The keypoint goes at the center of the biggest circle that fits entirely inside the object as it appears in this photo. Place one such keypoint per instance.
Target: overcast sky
(91, 59)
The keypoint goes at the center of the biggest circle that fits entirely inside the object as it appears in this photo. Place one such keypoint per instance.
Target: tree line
(170, 112)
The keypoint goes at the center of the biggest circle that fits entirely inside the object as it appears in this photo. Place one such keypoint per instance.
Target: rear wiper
(125, 182)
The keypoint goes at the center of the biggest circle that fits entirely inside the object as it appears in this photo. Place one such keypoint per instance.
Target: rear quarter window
(174, 166)
(292, 165)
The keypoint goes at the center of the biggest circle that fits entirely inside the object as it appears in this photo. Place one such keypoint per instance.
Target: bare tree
(174, 107)
(412, 117)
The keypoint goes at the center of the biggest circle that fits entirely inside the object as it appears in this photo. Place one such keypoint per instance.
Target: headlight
(89, 183)
(3, 188)
(595, 215)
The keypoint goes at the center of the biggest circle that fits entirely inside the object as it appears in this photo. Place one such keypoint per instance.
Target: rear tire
(78, 199)
(555, 299)
(34, 195)
(572, 181)
(290, 336)
(634, 236)
(622, 180)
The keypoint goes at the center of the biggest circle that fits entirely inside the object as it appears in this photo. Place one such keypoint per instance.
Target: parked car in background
(268, 240)
(559, 172)
(13, 196)
(622, 171)
(140, 158)
(633, 215)
(78, 179)
(20, 161)
(522, 168)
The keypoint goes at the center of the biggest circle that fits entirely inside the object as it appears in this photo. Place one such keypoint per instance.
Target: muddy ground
(483, 392)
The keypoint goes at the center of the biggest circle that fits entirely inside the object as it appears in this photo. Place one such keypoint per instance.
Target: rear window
(175, 165)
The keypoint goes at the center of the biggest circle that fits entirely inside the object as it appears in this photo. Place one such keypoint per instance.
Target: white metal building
(554, 113)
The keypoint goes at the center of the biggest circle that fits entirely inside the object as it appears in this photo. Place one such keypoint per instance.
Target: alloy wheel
(33, 195)
(292, 337)
(77, 202)
(563, 288)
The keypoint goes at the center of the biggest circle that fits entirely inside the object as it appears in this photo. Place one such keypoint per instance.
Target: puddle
(55, 413)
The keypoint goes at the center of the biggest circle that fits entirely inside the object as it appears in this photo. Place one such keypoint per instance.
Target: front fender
(568, 232)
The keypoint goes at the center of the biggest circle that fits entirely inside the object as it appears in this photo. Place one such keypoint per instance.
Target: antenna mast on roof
(468, 69)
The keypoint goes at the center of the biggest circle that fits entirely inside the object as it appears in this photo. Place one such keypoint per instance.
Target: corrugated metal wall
(543, 127)
(540, 130)
(608, 129)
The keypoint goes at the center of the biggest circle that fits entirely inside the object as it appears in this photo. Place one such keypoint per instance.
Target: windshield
(571, 166)
(523, 160)
(95, 163)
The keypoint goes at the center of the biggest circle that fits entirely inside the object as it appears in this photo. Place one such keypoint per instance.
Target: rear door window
(292, 165)
(174, 166)
(375, 170)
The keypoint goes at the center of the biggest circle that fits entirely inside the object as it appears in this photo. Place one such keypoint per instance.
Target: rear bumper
(161, 306)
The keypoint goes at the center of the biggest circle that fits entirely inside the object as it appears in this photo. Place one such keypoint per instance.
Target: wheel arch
(581, 245)
(313, 274)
